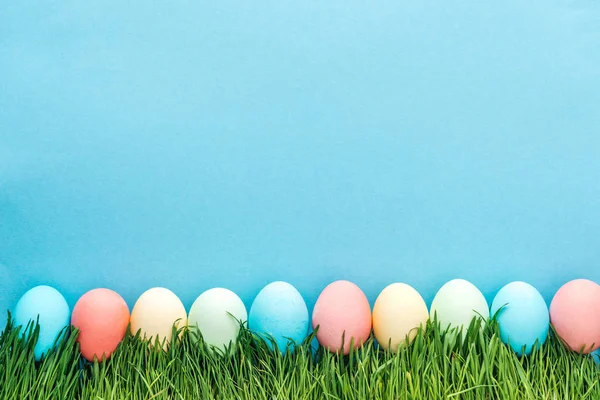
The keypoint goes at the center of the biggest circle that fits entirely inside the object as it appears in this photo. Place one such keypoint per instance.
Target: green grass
(432, 367)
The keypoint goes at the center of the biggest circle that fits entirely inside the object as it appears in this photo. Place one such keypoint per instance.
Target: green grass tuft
(435, 366)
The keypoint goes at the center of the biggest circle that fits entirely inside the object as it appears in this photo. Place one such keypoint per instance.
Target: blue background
(199, 144)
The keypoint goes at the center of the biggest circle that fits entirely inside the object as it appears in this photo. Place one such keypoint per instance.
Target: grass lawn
(433, 367)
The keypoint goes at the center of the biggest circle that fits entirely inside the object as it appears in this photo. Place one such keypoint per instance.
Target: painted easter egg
(343, 316)
(457, 304)
(575, 315)
(47, 304)
(596, 356)
(279, 313)
(522, 316)
(101, 316)
(216, 315)
(398, 313)
(155, 314)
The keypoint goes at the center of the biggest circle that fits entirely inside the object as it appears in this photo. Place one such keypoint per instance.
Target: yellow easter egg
(398, 313)
(155, 313)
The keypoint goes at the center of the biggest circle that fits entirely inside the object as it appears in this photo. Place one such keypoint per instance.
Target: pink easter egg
(575, 315)
(343, 315)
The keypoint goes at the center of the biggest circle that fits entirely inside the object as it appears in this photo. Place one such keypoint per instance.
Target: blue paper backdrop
(199, 144)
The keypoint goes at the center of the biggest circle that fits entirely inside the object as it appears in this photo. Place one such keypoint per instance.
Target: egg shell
(47, 304)
(575, 315)
(457, 304)
(280, 313)
(101, 316)
(522, 316)
(596, 356)
(343, 316)
(398, 313)
(155, 314)
(217, 314)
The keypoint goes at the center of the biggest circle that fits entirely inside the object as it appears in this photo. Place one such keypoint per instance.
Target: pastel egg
(47, 304)
(457, 304)
(398, 313)
(279, 313)
(522, 316)
(216, 315)
(156, 313)
(101, 316)
(343, 316)
(596, 356)
(575, 315)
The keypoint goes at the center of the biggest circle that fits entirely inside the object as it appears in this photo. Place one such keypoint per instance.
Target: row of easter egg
(102, 316)
(341, 313)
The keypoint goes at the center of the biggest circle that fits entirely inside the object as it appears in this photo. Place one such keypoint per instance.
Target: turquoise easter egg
(280, 313)
(522, 316)
(47, 304)
(596, 356)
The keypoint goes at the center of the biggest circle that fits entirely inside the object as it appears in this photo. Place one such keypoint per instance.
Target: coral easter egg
(47, 304)
(575, 315)
(522, 316)
(216, 315)
(101, 316)
(155, 314)
(457, 304)
(398, 313)
(343, 316)
(279, 313)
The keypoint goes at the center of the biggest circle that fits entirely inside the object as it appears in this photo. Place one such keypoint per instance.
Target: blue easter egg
(524, 318)
(47, 304)
(596, 356)
(279, 311)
